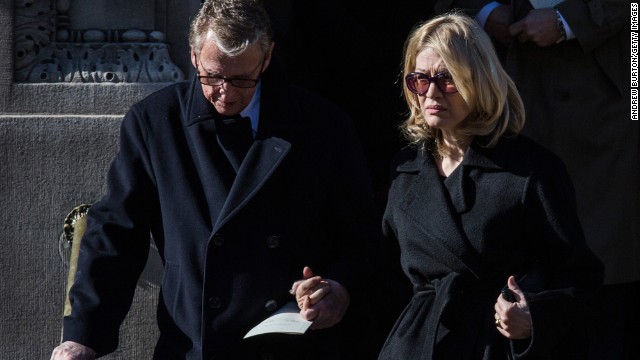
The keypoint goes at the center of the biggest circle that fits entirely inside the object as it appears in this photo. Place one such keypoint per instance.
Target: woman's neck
(450, 152)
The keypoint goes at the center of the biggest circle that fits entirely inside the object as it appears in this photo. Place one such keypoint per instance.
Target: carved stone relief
(49, 49)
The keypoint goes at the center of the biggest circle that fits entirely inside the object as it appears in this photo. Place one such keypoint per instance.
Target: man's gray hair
(232, 24)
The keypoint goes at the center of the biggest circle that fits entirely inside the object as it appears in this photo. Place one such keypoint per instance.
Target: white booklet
(539, 4)
(287, 320)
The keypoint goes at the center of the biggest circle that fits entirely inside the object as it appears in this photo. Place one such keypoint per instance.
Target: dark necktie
(235, 137)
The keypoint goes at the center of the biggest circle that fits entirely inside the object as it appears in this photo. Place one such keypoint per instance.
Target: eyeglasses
(418, 83)
(217, 80)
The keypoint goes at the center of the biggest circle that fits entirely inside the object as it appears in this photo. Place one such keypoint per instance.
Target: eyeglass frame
(230, 79)
(431, 79)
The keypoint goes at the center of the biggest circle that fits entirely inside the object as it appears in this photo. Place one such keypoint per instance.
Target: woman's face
(445, 111)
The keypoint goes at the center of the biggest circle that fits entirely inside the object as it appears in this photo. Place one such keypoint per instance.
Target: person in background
(570, 61)
(256, 193)
(482, 218)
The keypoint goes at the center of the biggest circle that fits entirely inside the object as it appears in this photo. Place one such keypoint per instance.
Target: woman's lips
(434, 109)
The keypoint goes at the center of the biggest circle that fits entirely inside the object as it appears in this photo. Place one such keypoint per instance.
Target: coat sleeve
(572, 273)
(115, 246)
(595, 21)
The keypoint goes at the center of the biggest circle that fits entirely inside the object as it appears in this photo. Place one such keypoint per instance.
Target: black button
(218, 239)
(215, 302)
(273, 241)
(267, 356)
(271, 305)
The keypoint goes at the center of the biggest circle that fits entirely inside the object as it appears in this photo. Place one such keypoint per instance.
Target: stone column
(69, 70)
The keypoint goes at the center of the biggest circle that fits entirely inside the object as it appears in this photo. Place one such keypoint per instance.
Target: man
(245, 214)
(571, 65)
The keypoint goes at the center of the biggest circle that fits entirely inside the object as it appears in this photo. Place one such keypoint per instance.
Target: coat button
(273, 241)
(267, 356)
(215, 302)
(271, 305)
(218, 239)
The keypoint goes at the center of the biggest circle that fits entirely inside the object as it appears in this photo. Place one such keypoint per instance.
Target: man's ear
(193, 59)
(267, 57)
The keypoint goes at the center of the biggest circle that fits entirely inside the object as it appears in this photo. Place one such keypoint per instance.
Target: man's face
(227, 98)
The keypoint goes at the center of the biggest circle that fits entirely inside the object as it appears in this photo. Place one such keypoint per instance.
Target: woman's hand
(513, 319)
(322, 301)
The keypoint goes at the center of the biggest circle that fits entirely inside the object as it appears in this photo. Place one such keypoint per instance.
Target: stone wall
(59, 122)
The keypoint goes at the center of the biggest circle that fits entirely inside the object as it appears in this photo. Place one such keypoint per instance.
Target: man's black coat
(232, 244)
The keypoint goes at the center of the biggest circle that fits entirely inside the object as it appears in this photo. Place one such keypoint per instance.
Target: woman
(476, 208)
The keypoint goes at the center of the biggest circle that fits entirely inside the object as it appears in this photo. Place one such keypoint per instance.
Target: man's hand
(540, 26)
(70, 350)
(322, 301)
(497, 25)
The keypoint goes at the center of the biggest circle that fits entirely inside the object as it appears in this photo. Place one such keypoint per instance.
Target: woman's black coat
(508, 210)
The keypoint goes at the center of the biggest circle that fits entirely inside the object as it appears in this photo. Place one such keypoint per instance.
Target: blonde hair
(469, 55)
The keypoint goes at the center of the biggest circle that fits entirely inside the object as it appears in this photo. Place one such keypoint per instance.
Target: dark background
(350, 52)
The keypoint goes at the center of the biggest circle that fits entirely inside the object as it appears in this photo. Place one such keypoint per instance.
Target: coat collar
(488, 158)
(198, 108)
(476, 156)
(274, 85)
(458, 184)
(202, 110)
(453, 198)
(228, 194)
(427, 205)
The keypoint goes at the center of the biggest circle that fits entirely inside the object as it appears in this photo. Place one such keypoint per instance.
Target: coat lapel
(227, 192)
(261, 161)
(214, 169)
(272, 144)
(459, 184)
(437, 206)
(429, 208)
